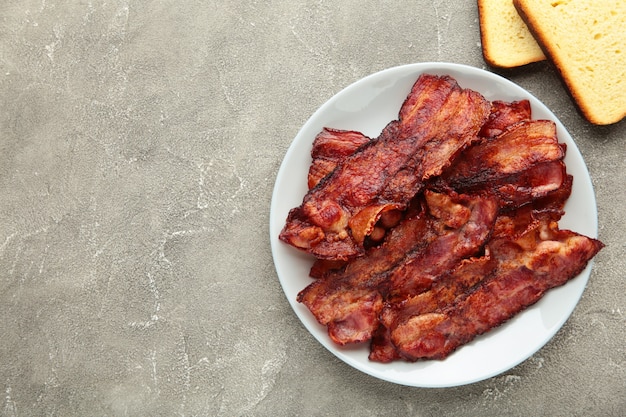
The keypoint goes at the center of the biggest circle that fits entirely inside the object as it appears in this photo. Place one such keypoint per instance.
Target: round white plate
(367, 106)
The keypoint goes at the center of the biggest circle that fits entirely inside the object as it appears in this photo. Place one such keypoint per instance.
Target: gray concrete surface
(139, 143)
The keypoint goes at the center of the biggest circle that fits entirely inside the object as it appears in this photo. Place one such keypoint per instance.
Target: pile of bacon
(442, 228)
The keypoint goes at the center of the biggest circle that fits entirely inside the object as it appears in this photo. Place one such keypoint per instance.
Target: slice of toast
(586, 41)
(506, 41)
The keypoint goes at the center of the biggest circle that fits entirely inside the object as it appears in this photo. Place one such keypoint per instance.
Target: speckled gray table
(139, 143)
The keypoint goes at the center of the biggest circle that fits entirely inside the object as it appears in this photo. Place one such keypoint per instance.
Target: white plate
(367, 106)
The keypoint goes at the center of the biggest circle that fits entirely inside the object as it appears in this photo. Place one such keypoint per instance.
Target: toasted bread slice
(506, 41)
(586, 41)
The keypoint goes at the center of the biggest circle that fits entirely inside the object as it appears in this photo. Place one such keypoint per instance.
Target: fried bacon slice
(536, 182)
(323, 267)
(444, 292)
(471, 218)
(520, 165)
(504, 114)
(424, 283)
(349, 301)
(543, 258)
(330, 147)
(455, 209)
(436, 121)
(519, 148)
(513, 223)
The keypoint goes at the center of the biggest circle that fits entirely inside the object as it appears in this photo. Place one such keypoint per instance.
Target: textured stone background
(139, 143)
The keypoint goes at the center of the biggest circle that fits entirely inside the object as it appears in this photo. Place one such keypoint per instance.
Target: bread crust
(485, 40)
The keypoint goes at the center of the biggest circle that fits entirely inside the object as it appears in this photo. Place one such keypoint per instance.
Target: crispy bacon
(513, 223)
(381, 348)
(520, 165)
(330, 147)
(455, 209)
(444, 292)
(543, 258)
(348, 301)
(436, 121)
(504, 114)
(536, 182)
(555, 200)
(418, 273)
(520, 147)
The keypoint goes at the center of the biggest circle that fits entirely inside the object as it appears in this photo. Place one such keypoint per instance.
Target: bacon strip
(542, 259)
(444, 292)
(349, 301)
(436, 121)
(418, 273)
(330, 147)
(516, 150)
(520, 165)
(513, 223)
(504, 114)
(484, 179)
(536, 182)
